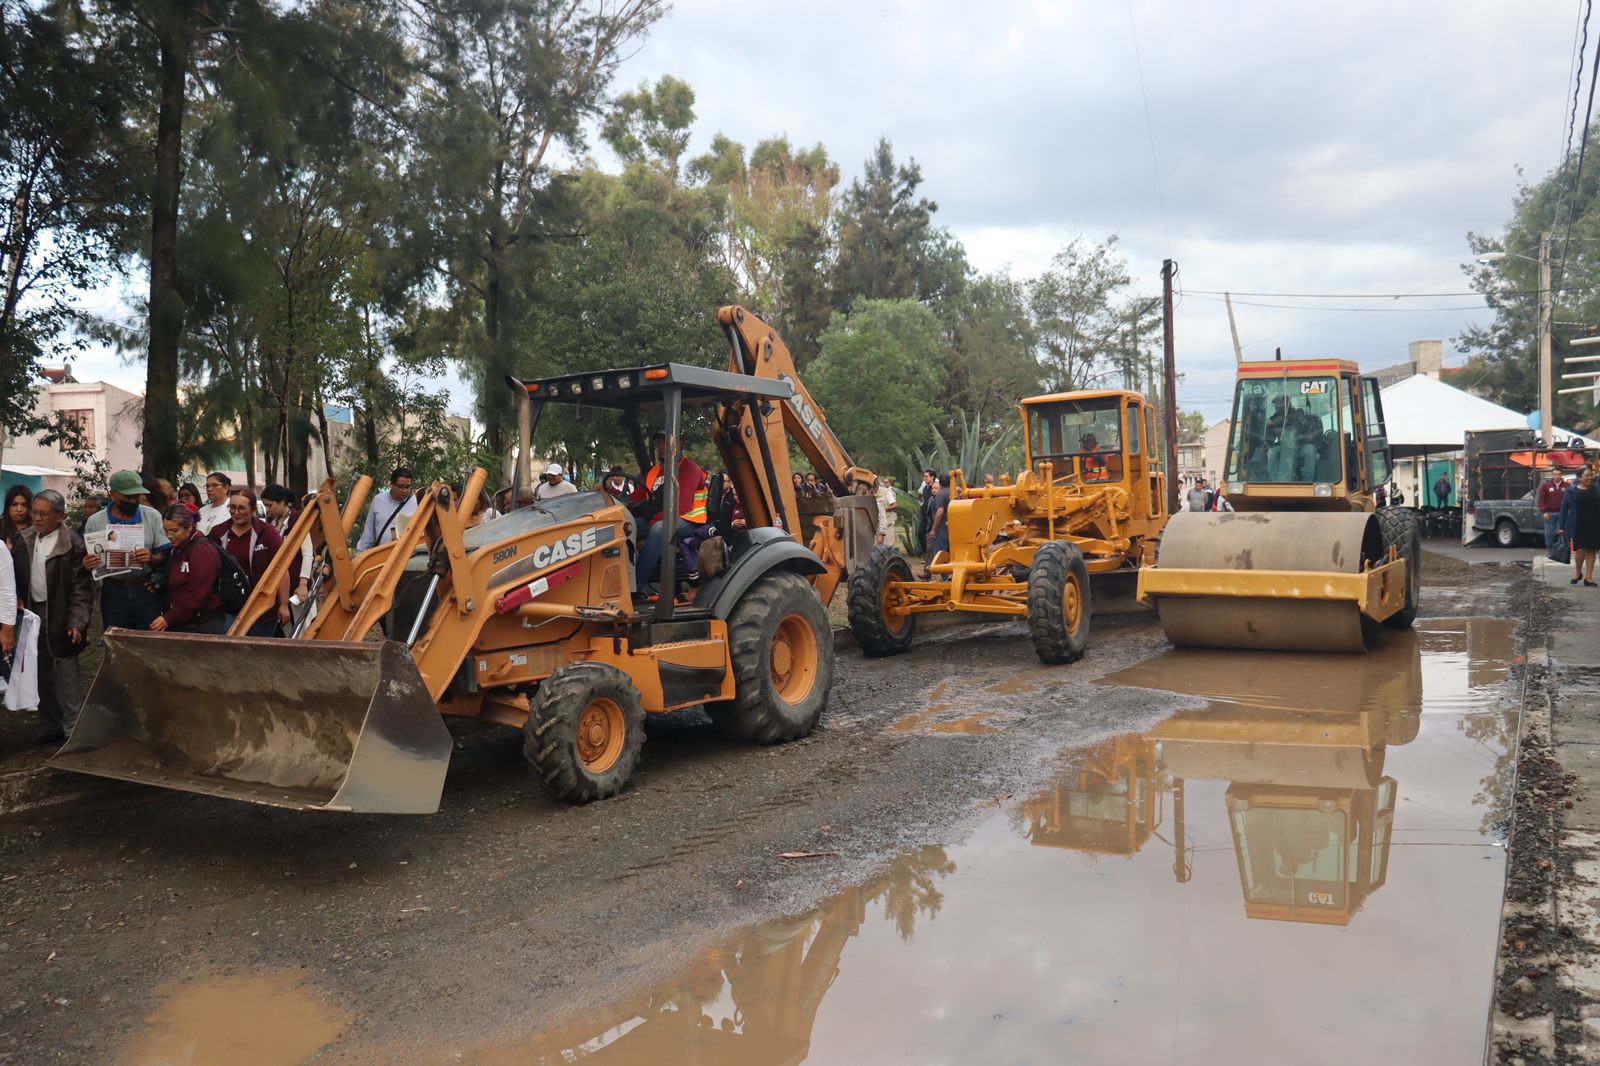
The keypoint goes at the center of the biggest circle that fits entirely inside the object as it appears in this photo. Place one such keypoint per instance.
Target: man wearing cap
(553, 484)
(383, 517)
(125, 602)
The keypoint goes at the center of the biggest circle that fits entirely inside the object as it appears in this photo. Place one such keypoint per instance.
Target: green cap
(128, 483)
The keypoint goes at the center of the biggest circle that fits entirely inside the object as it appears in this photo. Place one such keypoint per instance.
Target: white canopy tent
(1425, 416)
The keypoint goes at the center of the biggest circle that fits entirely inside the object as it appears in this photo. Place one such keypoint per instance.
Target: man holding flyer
(120, 540)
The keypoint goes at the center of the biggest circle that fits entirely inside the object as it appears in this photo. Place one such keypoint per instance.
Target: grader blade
(308, 725)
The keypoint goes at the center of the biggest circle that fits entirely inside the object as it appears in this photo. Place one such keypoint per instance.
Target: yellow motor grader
(533, 621)
(1306, 561)
(1090, 502)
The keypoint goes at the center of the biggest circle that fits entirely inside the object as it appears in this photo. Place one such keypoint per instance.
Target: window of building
(83, 419)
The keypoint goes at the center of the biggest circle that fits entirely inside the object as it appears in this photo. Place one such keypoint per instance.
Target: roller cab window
(1286, 432)
(1081, 439)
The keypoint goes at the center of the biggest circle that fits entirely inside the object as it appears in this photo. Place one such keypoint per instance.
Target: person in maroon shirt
(253, 542)
(191, 601)
(1549, 504)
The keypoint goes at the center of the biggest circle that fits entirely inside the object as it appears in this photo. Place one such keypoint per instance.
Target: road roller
(1305, 561)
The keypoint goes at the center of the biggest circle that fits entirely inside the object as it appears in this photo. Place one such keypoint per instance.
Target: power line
(1150, 130)
(1417, 295)
(1577, 178)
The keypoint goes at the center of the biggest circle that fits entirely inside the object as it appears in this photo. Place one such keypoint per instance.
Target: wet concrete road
(1295, 859)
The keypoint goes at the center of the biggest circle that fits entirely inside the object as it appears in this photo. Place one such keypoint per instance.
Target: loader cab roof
(646, 387)
(1300, 368)
(1084, 394)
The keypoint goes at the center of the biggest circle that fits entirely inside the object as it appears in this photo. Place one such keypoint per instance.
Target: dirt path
(507, 910)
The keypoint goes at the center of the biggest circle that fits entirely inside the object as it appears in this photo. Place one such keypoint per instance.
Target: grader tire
(585, 732)
(876, 634)
(1058, 603)
(782, 651)
(1399, 528)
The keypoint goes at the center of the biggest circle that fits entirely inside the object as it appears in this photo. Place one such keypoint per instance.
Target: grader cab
(1090, 502)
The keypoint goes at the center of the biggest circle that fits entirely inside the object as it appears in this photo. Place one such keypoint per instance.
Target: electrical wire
(1149, 127)
(1577, 178)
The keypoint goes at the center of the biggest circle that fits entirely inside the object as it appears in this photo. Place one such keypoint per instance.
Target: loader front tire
(782, 651)
(1058, 602)
(878, 633)
(1399, 528)
(584, 732)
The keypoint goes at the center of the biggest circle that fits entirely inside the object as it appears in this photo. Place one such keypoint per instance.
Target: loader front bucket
(309, 725)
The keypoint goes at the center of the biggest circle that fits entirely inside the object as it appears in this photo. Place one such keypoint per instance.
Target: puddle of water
(1306, 870)
(257, 1020)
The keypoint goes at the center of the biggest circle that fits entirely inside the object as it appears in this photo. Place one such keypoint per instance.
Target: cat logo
(573, 544)
(1320, 899)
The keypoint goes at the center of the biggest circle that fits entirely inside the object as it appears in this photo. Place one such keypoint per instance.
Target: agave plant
(979, 448)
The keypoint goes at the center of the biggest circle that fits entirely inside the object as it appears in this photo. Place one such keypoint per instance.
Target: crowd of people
(151, 557)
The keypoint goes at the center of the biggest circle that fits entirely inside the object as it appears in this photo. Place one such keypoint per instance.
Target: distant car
(1511, 521)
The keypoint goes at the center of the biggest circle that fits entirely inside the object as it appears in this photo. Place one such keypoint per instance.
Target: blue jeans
(127, 605)
(1549, 532)
(650, 557)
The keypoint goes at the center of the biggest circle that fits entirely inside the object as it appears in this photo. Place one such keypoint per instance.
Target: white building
(108, 418)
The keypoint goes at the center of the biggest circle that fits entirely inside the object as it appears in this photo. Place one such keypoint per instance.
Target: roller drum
(1307, 542)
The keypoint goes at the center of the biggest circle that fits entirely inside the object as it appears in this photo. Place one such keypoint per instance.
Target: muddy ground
(506, 911)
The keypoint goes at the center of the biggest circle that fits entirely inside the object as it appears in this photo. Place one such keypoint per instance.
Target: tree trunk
(166, 303)
(325, 437)
(369, 419)
(298, 446)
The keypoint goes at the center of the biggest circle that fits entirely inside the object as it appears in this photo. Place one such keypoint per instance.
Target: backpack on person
(233, 583)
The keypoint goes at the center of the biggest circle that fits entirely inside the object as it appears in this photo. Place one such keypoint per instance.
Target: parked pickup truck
(1511, 521)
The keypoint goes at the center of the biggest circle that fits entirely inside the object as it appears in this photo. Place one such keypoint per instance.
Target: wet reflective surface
(1304, 868)
(1307, 870)
(260, 1020)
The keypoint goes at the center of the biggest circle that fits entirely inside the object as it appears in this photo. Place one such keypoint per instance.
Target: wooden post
(1170, 389)
(1233, 326)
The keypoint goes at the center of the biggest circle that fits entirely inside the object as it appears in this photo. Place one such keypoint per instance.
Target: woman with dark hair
(190, 496)
(282, 514)
(189, 600)
(18, 513)
(214, 508)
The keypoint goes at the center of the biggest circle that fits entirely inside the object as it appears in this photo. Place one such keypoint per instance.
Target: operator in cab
(1094, 467)
(694, 489)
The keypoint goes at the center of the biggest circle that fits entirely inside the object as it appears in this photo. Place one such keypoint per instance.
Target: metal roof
(644, 386)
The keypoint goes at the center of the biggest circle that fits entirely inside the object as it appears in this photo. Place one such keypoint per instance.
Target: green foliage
(1191, 425)
(879, 376)
(63, 157)
(991, 358)
(652, 124)
(1082, 319)
(889, 248)
(1504, 362)
(973, 447)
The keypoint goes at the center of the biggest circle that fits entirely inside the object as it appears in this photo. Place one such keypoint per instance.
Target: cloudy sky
(1289, 148)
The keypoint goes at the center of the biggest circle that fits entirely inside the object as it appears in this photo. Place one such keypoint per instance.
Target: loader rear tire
(1058, 602)
(1399, 528)
(876, 633)
(584, 732)
(782, 651)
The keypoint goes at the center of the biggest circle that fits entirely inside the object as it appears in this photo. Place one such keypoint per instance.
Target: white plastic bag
(22, 693)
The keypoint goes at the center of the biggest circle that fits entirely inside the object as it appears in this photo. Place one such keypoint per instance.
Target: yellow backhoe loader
(1306, 561)
(1090, 503)
(533, 621)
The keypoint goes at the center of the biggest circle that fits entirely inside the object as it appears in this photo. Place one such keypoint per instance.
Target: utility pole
(1546, 426)
(1168, 269)
(1238, 352)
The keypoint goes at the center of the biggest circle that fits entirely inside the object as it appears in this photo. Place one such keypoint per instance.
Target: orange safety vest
(698, 510)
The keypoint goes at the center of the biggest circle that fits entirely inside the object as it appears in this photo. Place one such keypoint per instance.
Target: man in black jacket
(53, 584)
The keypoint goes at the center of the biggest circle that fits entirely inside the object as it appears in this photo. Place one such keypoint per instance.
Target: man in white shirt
(888, 509)
(553, 484)
(54, 585)
(383, 517)
(215, 510)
